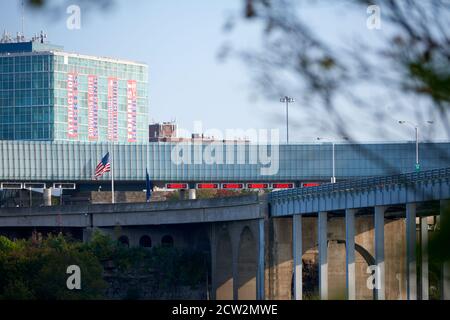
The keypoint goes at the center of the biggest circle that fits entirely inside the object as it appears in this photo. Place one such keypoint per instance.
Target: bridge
(198, 224)
(75, 162)
(381, 198)
(261, 246)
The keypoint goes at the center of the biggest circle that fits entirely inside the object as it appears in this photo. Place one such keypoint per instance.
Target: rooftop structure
(167, 132)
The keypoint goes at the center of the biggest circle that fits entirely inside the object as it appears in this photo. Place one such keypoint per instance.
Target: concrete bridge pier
(47, 194)
(237, 259)
(261, 269)
(417, 286)
(297, 254)
(424, 258)
(350, 271)
(280, 258)
(348, 249)
(379, 253)
(411, 268)
(192, 194)
(87, 234)
(322, 233)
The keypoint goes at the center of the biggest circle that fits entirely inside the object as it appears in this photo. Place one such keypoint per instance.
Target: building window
(145, 242)
(167, 241)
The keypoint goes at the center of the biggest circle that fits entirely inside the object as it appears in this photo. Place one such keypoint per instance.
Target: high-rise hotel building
(49, 94)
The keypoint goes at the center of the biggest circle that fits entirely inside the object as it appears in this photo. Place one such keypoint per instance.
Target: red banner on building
(92, 107)
(72, 105)
(113, 109)
(131, 110)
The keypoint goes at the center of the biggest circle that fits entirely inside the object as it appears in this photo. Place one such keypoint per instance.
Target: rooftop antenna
(5, 37)
(42, 36)
(23, 19)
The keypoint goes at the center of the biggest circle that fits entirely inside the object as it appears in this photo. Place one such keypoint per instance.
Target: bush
(37, 270)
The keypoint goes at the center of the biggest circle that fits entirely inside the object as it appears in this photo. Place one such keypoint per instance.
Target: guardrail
(362, 183)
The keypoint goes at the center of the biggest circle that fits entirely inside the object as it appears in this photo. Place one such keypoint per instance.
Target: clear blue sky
(180, 40)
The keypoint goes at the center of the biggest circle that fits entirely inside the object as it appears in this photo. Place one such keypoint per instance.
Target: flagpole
(112, 173)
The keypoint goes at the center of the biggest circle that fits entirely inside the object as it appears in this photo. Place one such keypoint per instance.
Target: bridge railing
(362, 183)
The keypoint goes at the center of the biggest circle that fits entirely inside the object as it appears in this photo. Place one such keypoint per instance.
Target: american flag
(103, 166)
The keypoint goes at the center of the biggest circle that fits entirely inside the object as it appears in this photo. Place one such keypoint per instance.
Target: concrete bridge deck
(135, 214)
(370, 192)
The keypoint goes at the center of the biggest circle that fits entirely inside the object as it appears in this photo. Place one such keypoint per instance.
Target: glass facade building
(50, 95)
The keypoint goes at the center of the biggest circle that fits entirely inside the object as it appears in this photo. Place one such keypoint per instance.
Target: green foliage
(173, 267)
(221, 193)
(6, 245)
(193, 267)
(164, 261)
(169, 266)
(126, 260)
(211, 193)
(429, 79)
(102, 246)
(173, 196)
(36, 268)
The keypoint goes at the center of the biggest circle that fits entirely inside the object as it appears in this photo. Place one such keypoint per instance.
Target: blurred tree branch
(56, 9)
(413, 61)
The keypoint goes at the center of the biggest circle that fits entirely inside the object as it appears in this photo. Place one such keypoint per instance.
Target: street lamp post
(31, 196)
(287, 100)
(333, 178)
(333, 158)
(416, 133)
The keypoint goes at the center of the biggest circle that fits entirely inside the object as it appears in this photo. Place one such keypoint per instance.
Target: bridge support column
(424, 258)
(87, 234)
(192, 193)
(323, 255)
(213, 249)
(297, 254)
(47, 194)
(235, 246)
(279, 260)
(411, 270)
(350, 253)
(379, 252)
(444, 210)
(260, 288)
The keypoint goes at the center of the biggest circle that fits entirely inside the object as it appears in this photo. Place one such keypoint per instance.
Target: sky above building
(181, 41)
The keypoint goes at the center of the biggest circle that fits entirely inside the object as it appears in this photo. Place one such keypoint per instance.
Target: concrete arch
(224, 267)
(145, 241)
(310, 268)
(366, 256)
(124, 240)
(247, 265)
(167, 240)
